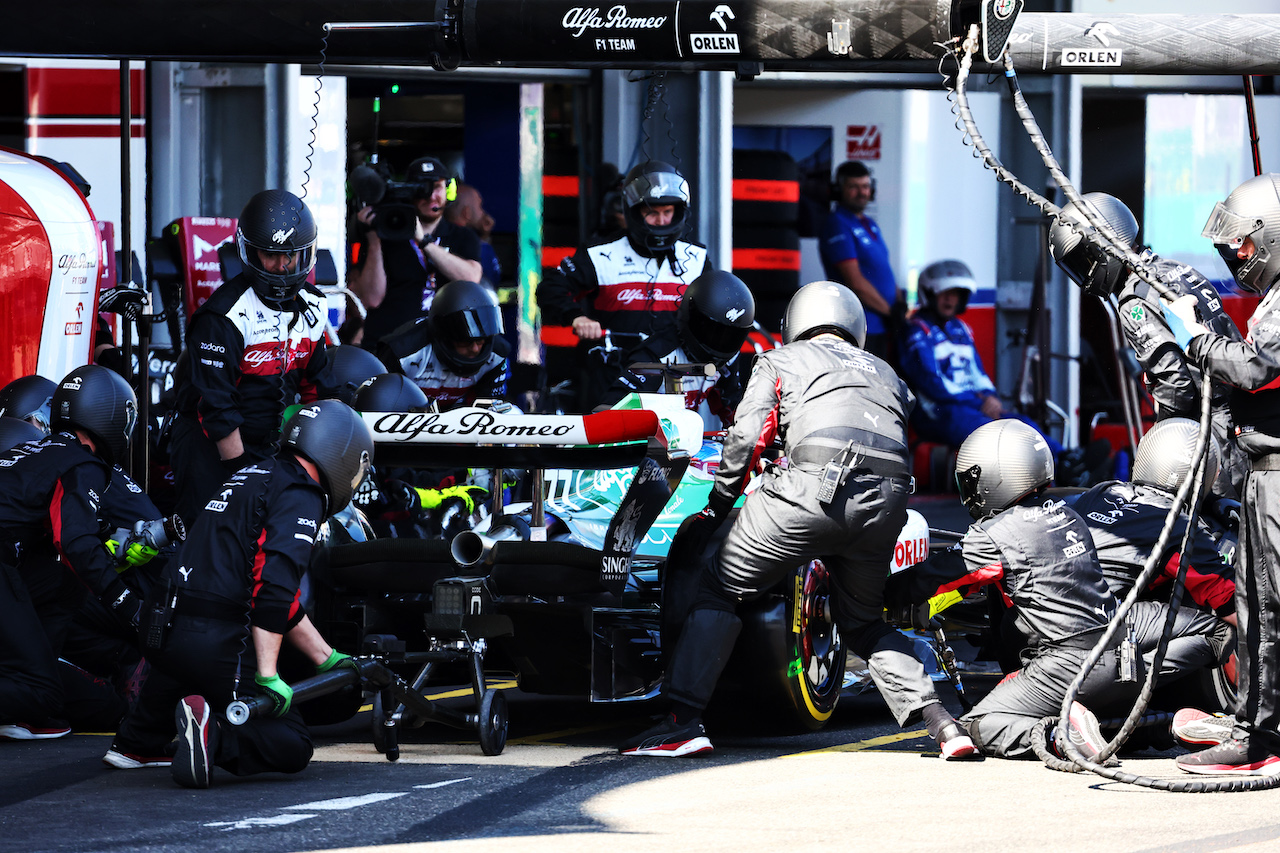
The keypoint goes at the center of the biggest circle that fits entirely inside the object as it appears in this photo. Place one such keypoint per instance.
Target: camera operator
(399, 270)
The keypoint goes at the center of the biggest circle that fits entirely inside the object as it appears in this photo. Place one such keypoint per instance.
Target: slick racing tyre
(794, 651)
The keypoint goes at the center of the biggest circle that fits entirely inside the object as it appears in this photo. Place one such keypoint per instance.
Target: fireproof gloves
(335, 660)
(277, 690)
(1180, 314)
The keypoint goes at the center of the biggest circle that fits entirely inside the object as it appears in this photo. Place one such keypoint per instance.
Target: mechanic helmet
(27, 398)
(942, 276)
(390, 392)
(654, 183)
(1252, 210)
(337, 440)
(1164, 457)
(349, 368)
(462, 311)
(97, 400)
(824, 306)
(714, 316)
(999, 464)
(425, 171)
(15, 431)
(1085, 264)
(276, 222)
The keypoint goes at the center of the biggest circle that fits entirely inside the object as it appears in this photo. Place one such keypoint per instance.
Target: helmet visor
(1226, 228)
(656, 188)
(718, 339)
(469, 323)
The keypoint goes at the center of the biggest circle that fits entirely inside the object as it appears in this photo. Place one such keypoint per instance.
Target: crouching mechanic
(1245, 229)
(51, 517)
(1126, 519)
(236, 587)
(1039, 552)
(839, 410)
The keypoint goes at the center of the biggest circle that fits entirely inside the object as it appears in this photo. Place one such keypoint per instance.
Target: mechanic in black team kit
(629, 286)
(397, 279)
(236, 584)
(252, 350)
(842, 415)
(456, 353)
(51, 520)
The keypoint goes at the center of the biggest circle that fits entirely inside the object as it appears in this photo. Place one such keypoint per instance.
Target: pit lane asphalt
(559, 786)
(860, 783)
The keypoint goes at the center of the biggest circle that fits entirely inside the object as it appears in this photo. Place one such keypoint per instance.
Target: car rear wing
(484, 438)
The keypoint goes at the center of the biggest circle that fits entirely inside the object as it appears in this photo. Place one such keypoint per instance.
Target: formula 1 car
(565, 590)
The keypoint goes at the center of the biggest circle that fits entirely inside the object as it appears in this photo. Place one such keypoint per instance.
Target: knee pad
(1222, 640)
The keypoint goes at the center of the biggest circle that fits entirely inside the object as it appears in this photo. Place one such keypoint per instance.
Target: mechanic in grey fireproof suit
(828, 400)
(1172, 380)
(1245, 229)
(1040, 554)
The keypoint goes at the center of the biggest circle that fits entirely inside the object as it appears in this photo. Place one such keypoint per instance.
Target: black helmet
(15, 431)
(349, 368)
(462, 311)
(98, 401)
(425, 171)
(27, 398)
(332, 435)
(390, 392)
(654, 183)
(824, 306)
(942, 276)
(714, 316)
(276, 222)
(1083, 262)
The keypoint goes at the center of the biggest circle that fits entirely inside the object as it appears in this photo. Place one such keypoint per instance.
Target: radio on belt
(836, 472)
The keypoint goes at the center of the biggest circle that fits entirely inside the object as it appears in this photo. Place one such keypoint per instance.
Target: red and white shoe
(669, 739)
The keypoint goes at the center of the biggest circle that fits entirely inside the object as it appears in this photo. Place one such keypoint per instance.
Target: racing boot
(1233, 757)
(1196, 727)
(952, 739)
(197, 743)
(1085, 734)
(670, 739)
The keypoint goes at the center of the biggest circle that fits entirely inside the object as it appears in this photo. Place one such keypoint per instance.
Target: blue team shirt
(941, 363)
(850, 236)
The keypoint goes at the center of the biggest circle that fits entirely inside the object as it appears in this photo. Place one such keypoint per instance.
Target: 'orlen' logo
(1073, 57)
(908, 552)
(714, 43)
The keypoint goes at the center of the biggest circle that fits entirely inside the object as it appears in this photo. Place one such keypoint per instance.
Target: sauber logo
(579, 19)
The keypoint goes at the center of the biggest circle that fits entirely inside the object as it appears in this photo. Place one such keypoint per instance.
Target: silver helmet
(1000, 463)
(824, 306)
(1164, 457)
(1086, 265)
(1252, 211)
(941, 276)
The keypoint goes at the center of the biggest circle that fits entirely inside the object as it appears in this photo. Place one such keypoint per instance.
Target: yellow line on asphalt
(870, 743)
(464, 691)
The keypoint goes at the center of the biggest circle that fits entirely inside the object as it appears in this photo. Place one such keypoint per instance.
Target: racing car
(564, 590)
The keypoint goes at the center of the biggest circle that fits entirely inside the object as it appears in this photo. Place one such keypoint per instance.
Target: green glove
(279, 692)
(468, 494)
(429, 498)
(335, 660)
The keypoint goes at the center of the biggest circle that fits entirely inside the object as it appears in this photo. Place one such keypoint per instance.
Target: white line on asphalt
(445, 782)
(249, 822)
(342, 803)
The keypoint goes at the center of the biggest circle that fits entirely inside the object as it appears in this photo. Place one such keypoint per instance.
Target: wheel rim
(818, 647)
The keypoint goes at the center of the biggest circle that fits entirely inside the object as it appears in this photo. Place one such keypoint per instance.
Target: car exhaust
(470, 549)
